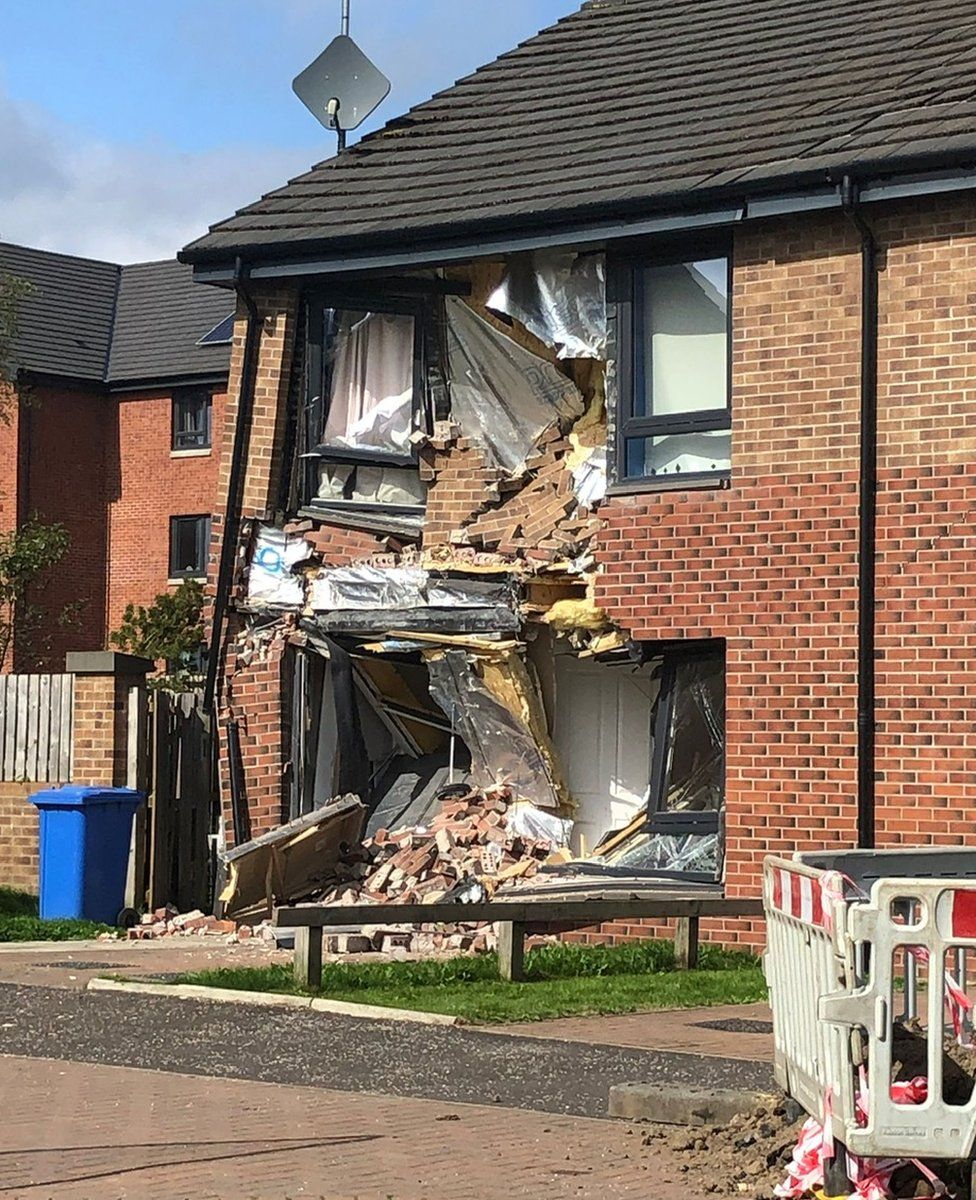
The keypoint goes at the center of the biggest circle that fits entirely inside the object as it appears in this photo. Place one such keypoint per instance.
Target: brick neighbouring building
(102, 354)
(753, 561)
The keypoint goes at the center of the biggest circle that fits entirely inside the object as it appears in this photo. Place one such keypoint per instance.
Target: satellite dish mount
(341, 87)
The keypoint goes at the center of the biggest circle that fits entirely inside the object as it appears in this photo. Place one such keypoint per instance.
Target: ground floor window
(643, 746)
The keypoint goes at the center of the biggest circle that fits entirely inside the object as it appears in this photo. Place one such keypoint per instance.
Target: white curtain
(371, 399)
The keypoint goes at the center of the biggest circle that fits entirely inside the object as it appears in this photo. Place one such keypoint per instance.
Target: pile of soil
(909, 1050)
(748, 1157)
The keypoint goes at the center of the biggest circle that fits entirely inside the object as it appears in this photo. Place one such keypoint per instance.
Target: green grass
(563, 980)
(19, 921)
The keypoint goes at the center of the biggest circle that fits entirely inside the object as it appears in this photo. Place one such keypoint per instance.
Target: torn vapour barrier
(374, 599)
(560, 297)
(503, 396)
(492, 704)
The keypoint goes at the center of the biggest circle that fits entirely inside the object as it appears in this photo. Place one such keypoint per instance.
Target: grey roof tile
(631, 101)
(99, 322)
(162, 314)
(65, 320)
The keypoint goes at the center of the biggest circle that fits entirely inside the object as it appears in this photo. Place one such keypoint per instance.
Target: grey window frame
(321, 311)
(626, 294)
(204, 430)
(659, 819)
(202, 537)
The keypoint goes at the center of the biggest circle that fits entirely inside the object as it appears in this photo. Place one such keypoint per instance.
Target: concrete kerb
(195, 991)
(677, 1104)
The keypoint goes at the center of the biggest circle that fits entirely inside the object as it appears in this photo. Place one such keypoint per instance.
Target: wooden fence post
(686, 943)
(308, 957)
(511, 951)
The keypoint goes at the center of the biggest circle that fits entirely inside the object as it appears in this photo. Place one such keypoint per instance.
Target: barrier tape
(870, 1177)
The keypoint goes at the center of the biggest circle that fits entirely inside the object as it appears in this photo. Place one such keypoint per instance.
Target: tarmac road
(344, 1053)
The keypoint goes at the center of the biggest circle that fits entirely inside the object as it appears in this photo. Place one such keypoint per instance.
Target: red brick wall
(257, 694)
(18, 836)
(147, 485)
(257, 697)
(63, 439)
(927, 526)
(769, 565)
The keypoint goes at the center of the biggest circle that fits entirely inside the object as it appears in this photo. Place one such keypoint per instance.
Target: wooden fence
(180, 784)
(36, 720)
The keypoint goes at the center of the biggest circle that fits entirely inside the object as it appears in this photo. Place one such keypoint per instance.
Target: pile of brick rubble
(464, 853)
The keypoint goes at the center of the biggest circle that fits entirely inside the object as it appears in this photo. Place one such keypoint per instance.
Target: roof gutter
(867, 521)
(235, 487)
(270, 261)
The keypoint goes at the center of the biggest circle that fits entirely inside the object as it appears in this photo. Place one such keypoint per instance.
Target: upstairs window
(189, 545)
(191, 420)
(365, 402)
(674, 416)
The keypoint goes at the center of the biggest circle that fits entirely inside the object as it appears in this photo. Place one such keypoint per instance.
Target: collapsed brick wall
(18, 840)
(147, 483)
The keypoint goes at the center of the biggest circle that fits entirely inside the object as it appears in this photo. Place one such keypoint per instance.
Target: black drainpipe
(867, 534)
(235, 487)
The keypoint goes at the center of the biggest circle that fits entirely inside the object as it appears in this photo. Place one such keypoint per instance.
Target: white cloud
(61, 191)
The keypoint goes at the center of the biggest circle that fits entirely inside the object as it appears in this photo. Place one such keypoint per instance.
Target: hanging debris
(502, 396)
(560, 296)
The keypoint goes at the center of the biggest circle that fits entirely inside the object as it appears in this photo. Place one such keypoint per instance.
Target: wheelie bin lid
(73, 795)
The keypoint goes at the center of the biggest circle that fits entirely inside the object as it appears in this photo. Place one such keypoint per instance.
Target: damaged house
(600, 452)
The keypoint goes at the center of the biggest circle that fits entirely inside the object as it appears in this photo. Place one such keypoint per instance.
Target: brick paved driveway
(77, 1131)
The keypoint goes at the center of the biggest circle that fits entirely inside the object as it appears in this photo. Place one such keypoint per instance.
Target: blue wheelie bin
(84, 850)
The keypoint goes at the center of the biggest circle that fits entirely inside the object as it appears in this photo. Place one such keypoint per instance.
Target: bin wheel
(127, 918)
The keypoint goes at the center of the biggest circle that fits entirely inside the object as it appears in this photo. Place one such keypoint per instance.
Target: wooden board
(524, 911)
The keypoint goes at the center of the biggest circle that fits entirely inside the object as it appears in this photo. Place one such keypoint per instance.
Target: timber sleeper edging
(346, 1008)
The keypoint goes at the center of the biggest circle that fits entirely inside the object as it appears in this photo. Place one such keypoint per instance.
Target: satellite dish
(341, 87)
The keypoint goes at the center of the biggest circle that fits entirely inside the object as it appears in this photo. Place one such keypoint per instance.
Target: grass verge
(19, 921)
(563, 981)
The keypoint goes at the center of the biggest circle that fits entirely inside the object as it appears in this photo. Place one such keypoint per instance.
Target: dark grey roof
(162, 314)
(99, 322)
(65, 320)
(630, 105)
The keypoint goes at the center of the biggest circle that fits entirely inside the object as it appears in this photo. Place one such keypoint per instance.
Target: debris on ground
(170, 922)
(747, 1157)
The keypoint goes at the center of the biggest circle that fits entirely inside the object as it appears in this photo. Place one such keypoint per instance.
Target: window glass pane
(684, 338)
(695, 764)
(370, 484)
(191, 421)
(370, 370)
(698, 853)
(680, 453)
(189, 539)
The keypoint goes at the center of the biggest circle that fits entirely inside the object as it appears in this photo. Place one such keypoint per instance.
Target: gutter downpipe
(867, 533)
(235, 486)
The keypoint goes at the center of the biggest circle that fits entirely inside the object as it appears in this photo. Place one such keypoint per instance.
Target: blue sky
(128, 126)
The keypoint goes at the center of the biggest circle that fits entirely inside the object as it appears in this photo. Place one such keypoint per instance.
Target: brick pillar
(100, 740)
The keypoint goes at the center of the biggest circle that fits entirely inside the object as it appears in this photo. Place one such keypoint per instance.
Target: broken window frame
(659, 819)
(195, 434)
(321, 309)
(625, 284)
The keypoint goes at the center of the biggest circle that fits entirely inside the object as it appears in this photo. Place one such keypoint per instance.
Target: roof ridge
(82, 258)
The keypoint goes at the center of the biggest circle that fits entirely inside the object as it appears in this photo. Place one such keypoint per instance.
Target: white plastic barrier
(858, 944)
